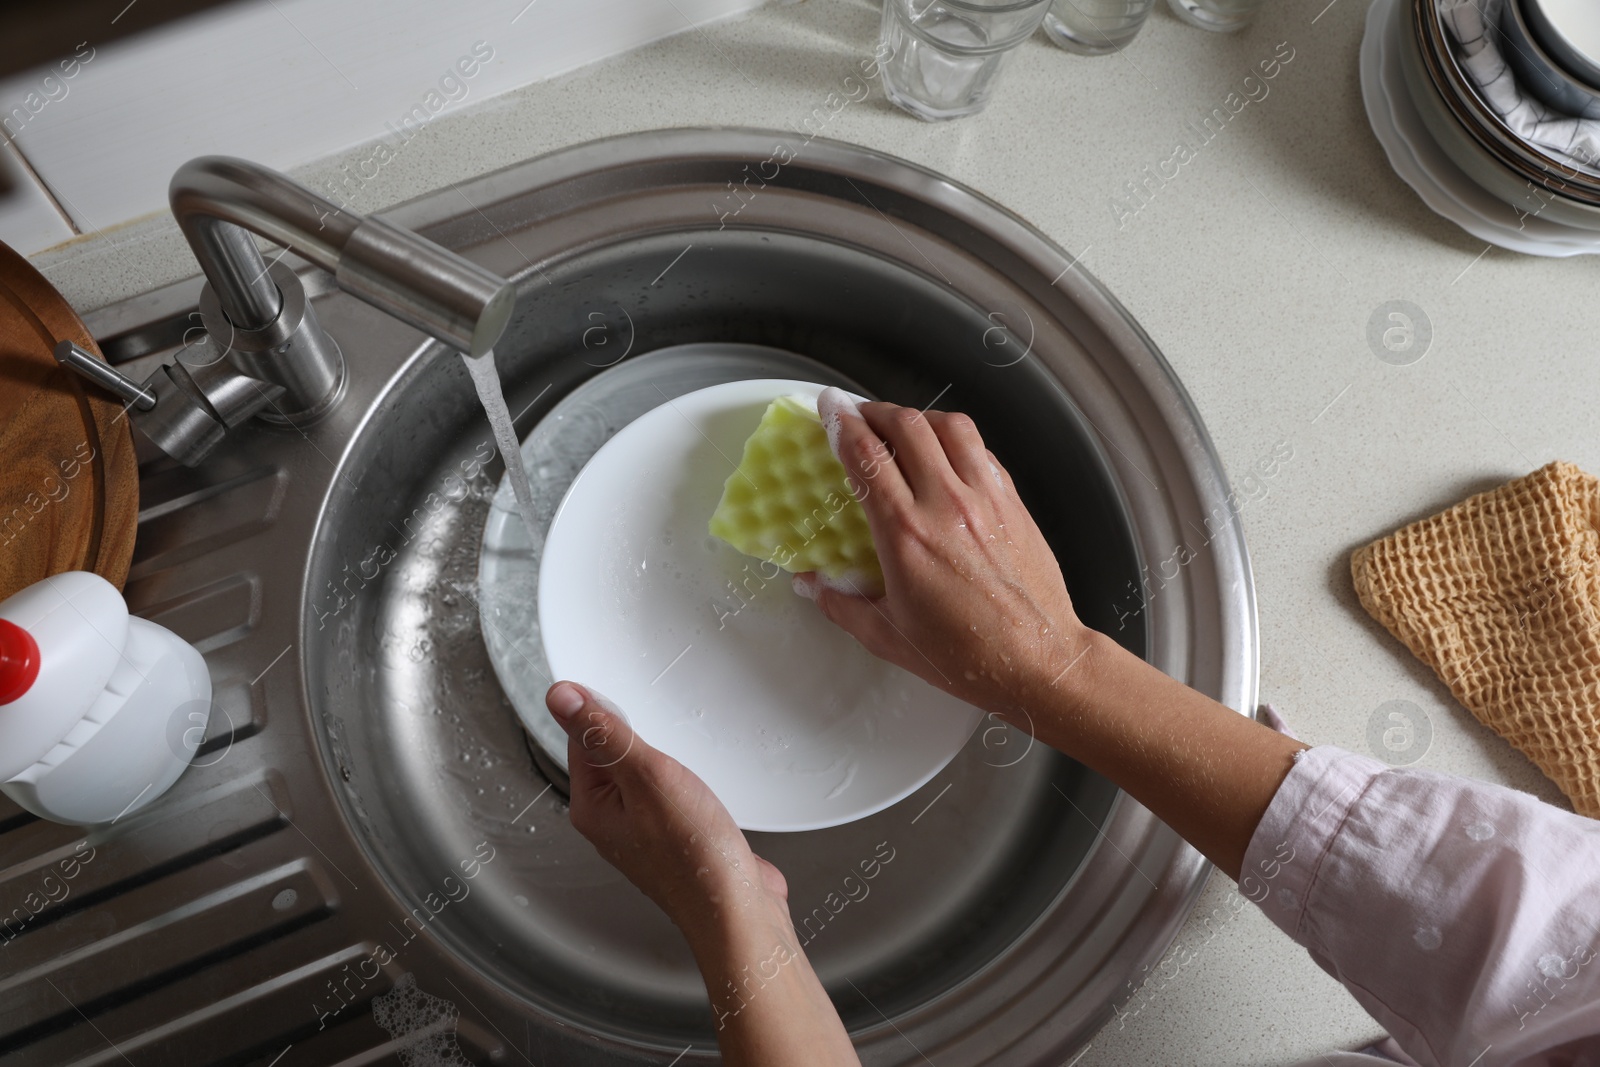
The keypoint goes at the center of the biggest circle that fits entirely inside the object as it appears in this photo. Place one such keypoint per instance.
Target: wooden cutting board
(69, 483)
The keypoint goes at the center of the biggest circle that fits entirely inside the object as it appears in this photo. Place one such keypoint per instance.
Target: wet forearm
(768, 1006)
(1202, 768)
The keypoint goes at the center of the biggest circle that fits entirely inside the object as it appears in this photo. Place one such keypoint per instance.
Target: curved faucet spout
(263, 354)
(216, 199)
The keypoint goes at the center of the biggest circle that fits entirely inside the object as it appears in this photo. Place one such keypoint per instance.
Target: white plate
(1577, 22)
(564, 439)
(1424, 166)
(710, 653)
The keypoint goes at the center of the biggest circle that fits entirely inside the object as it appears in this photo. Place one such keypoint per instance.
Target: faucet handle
(103, 374)
(185, 406)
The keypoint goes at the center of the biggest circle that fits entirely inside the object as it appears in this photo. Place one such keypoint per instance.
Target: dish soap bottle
(100, 711)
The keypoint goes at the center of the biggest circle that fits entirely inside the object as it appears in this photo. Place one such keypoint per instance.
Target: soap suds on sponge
(851, 583)
(789, 501)
(833, 404)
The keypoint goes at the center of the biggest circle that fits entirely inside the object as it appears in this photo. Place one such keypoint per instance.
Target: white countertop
(1255, 269)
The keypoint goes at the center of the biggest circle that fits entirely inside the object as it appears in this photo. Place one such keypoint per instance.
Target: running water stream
(487, 381)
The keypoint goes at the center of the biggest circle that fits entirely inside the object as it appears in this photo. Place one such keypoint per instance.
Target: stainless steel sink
(365, 807)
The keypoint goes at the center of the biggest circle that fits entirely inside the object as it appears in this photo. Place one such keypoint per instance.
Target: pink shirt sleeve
(1464, 916)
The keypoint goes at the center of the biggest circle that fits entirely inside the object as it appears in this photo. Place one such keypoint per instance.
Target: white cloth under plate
(1572, 140)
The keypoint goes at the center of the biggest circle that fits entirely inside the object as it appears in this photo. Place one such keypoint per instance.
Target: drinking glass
(1224, 16)
(945, 55)
(1095, 27)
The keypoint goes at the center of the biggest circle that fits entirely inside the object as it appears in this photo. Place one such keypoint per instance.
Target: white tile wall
(28, 220)
(284, 82)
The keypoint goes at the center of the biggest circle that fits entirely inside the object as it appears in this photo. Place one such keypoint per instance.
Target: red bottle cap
(19, 661)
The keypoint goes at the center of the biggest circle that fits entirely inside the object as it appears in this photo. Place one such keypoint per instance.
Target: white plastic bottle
(100, 711)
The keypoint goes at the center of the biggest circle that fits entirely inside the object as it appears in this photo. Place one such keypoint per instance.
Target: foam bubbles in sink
(422, 1026)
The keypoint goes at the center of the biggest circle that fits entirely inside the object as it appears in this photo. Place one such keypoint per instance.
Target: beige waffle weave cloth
(1500, 595)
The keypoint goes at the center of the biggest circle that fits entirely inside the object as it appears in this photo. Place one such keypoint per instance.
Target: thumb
(859, 616)
(599, 736)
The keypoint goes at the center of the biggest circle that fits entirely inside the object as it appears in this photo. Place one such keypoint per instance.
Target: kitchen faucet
(263, 353)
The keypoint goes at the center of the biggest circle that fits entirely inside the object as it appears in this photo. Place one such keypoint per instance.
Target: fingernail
(806, 585)
(608, 704)
(833, 400)
(833, 404)
(565, 700)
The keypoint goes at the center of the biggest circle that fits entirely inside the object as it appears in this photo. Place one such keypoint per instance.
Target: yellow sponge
(789, 502)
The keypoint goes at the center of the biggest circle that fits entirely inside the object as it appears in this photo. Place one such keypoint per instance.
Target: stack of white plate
(1445, 142)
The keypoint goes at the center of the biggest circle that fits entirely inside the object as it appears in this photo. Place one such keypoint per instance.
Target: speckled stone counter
(1255, 251)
